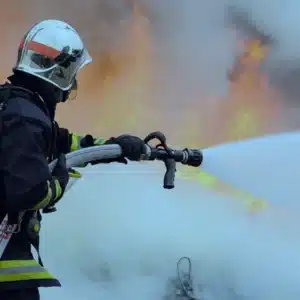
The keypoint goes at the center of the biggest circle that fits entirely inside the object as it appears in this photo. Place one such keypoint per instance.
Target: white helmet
(53, 51)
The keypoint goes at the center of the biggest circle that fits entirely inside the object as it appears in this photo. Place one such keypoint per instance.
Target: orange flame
(252, 106)
(118, 81)
(129, 87)
(116, 91)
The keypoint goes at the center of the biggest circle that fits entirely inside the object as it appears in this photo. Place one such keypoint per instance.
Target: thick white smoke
(118, 234)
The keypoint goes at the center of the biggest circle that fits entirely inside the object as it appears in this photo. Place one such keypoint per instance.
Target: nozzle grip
(169, 177)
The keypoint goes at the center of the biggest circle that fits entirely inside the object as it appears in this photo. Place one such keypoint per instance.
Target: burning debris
(242, 22)
(256, 44)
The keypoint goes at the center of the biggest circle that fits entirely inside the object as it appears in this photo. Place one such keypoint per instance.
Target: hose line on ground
(185, 279)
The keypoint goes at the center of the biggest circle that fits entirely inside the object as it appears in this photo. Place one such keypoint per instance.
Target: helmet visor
(57, 67)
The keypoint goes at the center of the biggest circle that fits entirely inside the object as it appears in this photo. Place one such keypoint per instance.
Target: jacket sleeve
(28, 183)
(69, 142)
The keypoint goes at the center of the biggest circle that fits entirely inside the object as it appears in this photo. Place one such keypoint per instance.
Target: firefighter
(49, 58)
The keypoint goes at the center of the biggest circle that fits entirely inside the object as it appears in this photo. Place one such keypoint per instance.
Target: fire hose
(162, 152)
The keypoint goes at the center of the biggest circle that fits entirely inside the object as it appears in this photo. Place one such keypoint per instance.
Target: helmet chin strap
(66, 94)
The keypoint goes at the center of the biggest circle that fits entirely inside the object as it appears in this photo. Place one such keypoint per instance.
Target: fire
(252, 107)
(117, 92)
(249, 62)
(129, 88)
(119, 80)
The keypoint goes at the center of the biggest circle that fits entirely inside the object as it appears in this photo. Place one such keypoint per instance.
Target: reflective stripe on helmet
(40, 49)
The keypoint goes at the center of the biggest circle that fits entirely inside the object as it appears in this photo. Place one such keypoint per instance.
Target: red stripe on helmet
(41, 49)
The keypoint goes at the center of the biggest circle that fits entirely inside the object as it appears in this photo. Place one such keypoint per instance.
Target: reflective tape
(25, 276)
(75, 142)
(17, 270)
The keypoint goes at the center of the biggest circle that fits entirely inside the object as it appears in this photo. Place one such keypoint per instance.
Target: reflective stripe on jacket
(15, 274)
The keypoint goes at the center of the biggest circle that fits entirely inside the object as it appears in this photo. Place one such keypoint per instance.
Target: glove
(60, 179)
(89, 141)
(132, 146)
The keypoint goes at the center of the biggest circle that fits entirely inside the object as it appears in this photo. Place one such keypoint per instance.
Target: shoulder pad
(17, 104)
(8, 91)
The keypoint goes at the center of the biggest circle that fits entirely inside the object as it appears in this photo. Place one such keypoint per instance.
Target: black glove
(132, 146)
(60, 179)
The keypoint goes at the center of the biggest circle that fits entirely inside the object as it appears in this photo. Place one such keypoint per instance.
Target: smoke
(124, 242)
(279, 19)
(162, 65)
